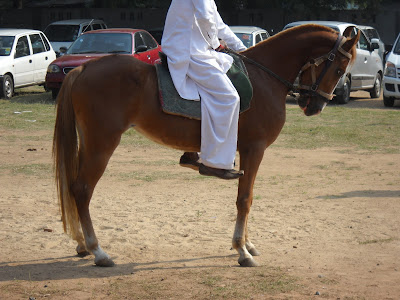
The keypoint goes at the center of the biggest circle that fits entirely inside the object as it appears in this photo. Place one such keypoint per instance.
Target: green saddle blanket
(172, 103)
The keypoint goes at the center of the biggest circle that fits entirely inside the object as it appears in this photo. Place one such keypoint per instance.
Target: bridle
(313, 89)
(314, 63)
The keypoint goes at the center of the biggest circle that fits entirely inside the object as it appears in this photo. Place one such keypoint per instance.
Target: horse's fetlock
(237, 243)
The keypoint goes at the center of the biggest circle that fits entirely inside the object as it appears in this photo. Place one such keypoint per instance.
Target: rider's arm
(226, 34)
(204, 12)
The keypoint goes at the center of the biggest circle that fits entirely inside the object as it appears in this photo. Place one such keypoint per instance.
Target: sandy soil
(325, 221)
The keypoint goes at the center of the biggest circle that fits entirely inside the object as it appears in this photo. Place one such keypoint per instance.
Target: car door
(363, 71)
(140, 44)
(152, 46)
(41, 57)
(23, 63)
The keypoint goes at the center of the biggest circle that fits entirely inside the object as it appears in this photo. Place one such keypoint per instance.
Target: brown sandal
(190, 160)
(220, 173)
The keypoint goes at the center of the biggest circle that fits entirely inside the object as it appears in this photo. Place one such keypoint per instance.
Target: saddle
(172, 103)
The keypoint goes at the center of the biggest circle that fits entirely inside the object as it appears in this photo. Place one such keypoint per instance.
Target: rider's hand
(223, 46)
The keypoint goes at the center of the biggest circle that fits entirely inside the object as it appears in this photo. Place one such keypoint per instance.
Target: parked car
(250, 35)
(367, 71)
(373, 36)
(93, 44)
(61, 34)
(24, 57)
(391, 77)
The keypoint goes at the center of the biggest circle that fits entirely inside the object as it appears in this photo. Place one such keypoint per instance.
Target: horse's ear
(349, 31)
(352, 37)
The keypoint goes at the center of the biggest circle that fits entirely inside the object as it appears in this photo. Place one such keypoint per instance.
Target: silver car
(367, 71)
(61, 34)
(250, 35)
(373, 35)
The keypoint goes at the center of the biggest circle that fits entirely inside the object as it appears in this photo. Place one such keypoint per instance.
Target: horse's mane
(294, 33)
(296, 30)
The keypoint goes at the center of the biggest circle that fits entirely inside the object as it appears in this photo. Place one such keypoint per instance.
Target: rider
(194, 34)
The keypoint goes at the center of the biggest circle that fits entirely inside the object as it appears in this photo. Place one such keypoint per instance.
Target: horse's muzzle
(311, 103)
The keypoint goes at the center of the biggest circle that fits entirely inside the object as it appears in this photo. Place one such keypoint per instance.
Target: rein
(313, 63)
(260, 66)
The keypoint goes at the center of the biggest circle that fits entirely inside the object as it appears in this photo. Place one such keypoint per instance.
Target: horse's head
(319, 76)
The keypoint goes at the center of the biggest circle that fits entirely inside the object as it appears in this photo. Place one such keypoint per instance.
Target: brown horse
(102, 99)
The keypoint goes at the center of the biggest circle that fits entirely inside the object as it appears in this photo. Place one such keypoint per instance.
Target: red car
(92, 44)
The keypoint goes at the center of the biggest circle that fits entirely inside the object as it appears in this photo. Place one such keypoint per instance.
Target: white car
(25, 55)
(250, 35)
(391, 78)
(63, 33)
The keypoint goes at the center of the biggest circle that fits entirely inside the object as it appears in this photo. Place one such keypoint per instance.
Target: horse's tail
(65, 154)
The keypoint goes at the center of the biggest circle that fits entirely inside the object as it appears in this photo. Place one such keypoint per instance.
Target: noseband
(314, 63)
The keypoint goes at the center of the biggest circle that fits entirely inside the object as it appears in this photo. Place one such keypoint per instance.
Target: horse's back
(123, 67)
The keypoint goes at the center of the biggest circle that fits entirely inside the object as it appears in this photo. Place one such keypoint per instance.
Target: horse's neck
(284, 54)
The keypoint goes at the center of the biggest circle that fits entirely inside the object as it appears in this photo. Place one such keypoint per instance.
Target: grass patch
(268, 281)
(29, 117)
(29, 170)
(376, 241)
(357, 128)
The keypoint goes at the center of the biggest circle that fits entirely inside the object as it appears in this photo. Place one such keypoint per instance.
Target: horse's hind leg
(78, 237)
(93, 158)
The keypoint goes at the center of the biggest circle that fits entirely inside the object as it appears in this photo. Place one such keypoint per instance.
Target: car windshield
(6, 43)
(62, 33)
(246, 38)
(396, 48)
(102, 43)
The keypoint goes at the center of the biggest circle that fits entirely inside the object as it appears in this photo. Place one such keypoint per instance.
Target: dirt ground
(325, 221)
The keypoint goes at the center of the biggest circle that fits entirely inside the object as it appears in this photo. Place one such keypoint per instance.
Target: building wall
(387, 21)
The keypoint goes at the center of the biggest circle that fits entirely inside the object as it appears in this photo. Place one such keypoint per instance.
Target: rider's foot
(190, 160)
(220, 173)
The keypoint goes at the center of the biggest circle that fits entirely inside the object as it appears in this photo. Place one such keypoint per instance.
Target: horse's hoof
(83, 254)
(254, 252)
(248, 262)
(81, 251)
(104, 262)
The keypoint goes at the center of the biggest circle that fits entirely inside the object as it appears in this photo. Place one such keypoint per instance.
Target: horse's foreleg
(91, 167)
(249, 245)
(249, 162)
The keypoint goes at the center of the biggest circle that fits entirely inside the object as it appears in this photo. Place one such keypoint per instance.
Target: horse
(92, 114)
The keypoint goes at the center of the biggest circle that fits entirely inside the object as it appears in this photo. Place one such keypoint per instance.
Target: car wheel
(376, 90)
(345, 97)
(54, 93)
(388, 101)
(7, 87)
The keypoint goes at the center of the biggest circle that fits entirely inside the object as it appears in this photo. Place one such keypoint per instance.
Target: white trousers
(220, 104)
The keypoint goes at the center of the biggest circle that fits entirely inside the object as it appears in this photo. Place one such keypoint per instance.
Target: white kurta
(191, 33)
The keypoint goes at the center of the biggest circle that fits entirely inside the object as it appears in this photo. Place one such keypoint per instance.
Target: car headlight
(390, 69)
(53, 69)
